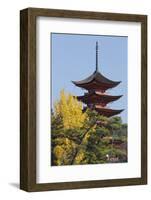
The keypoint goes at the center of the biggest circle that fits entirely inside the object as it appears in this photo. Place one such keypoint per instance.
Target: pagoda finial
(96, 56)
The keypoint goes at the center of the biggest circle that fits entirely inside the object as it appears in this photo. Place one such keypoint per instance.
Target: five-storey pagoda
(96, 98)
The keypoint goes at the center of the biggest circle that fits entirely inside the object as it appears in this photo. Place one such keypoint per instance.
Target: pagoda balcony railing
(91, 106)
(92, 91)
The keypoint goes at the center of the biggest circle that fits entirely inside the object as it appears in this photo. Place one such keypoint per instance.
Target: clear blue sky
(73, 58)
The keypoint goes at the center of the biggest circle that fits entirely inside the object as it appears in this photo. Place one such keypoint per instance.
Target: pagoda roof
(96, 80)
(107, 111)
(97, 97)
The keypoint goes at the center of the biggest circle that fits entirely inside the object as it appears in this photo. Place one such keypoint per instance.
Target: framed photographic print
(83, 99)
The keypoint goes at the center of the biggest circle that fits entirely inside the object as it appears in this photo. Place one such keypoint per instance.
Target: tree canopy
(79, 137)
(69, 109)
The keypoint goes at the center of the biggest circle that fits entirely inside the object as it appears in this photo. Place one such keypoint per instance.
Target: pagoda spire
(97, 57)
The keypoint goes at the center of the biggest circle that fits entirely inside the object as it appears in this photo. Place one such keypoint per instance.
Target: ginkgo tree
(70, 110)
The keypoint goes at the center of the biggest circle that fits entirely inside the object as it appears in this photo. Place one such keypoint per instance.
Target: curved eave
(98, 78)
(108, 112)
(98, 85)
(99, 96)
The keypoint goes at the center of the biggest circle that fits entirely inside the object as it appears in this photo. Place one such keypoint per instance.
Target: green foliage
(96, 139)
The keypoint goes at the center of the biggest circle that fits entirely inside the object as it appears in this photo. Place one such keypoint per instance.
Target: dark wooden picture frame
(28, 98)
